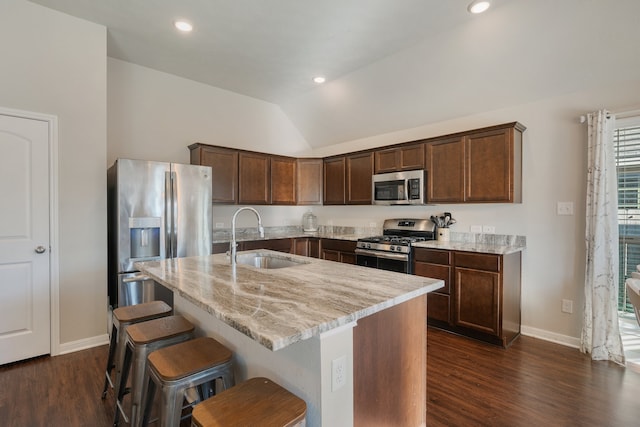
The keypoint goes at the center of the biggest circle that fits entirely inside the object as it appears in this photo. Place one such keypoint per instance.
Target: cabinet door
(489, 166)
(386, 160)
(301, 247)
(334, 181)
(283, 180)
(445, 171)
(438, 302)
(477, 295)
(309, 182)
(254, 178)
(411, 157)
(348, 258)
(224, 166)
(359, 173)
(331, 255)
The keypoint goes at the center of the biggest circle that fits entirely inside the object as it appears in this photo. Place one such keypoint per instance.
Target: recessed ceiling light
(479, 6)
(184, 26)
(319, 79)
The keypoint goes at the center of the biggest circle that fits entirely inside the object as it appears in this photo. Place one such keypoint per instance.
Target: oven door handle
(387, 255)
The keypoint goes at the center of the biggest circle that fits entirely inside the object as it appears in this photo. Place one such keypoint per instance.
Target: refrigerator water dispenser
(144, 235)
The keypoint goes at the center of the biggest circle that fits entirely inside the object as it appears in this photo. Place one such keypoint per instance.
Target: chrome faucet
(233, 246)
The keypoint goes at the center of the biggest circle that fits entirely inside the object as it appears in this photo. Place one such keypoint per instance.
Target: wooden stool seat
(255, 402)
(122, 317)
(187, 358)
(141, 312)
(157, 329)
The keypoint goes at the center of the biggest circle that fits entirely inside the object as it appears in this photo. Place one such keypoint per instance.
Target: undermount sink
(266, 261)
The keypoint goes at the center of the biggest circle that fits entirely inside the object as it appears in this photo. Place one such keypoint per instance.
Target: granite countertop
(488, 248)
(279, 307)
(470, 242)
(252, 235)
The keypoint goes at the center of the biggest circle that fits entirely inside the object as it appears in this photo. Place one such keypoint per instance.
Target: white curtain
(600, 331)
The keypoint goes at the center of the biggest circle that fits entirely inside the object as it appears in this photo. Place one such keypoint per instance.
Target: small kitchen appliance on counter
(393, 250)
(309, 222)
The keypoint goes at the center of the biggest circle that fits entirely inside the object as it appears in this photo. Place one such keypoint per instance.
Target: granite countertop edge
(326, 297)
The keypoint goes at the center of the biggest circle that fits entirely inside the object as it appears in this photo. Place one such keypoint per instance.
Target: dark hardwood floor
(533, 383)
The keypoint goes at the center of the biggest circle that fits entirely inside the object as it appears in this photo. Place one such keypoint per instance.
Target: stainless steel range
(393, 250)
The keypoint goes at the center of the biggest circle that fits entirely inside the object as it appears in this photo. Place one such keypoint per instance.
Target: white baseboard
(83, 344)
(550, 336)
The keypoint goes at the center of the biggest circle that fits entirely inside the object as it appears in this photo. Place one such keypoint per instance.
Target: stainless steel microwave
(399, 188)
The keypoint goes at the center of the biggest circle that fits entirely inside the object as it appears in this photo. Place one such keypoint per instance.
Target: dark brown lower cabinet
(307, 247)
(338, 250)
(481, 297)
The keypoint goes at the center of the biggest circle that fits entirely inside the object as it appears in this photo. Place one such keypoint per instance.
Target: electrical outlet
(476, 229)
(372, 224)
(219, 224)
(489, 229)
(565, 208)
(567, 306)
(338, 373)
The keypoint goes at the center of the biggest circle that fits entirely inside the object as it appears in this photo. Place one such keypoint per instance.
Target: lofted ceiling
(389, 64)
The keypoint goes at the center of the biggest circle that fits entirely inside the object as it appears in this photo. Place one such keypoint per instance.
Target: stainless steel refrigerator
(156, 211)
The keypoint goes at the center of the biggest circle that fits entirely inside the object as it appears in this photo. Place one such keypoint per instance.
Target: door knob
(40, 249)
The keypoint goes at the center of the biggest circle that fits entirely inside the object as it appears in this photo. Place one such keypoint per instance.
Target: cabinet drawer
(280, 245)
(220, 248)
(338, 245)
(435, 256)
(477, 261)
(435, 271)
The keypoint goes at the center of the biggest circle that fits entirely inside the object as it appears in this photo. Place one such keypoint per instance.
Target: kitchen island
(348, 340)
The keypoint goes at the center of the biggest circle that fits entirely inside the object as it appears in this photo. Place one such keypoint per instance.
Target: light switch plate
(565, 208)
(489, 229)
(476, 229)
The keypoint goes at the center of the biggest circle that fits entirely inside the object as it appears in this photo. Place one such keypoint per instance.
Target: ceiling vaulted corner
(391, 65)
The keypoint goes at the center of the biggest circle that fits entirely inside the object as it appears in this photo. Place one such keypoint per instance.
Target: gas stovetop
(398, 235)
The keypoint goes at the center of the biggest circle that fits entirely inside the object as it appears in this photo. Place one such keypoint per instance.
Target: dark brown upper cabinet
(493, 166)
(309, 181)
(334, 180)
(253, 178)
(406, 157)
(224, 167)
(358, 178)
(283, 180)
(445, 170)
(483, 166)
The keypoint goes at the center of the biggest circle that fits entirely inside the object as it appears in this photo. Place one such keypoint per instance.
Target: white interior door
(24, 239)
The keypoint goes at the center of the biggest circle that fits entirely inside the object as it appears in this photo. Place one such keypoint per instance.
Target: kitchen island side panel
(303, 368)
(390, 366)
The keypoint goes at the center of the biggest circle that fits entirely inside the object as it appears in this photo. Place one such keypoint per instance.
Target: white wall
(55, 64)
(554, 169)
(154, 116)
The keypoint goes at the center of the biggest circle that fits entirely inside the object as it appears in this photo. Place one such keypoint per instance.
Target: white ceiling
(390, 64)
(266, 49)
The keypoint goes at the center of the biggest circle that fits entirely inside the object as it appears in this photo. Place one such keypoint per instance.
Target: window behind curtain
(627, 143)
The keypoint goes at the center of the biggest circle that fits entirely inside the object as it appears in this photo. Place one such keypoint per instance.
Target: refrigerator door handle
(168, 220)
(174, 215)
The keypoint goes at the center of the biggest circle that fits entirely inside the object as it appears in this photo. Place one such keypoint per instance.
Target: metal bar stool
(255, 402)
(142, 339)
(123, 317)
(180, 367)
